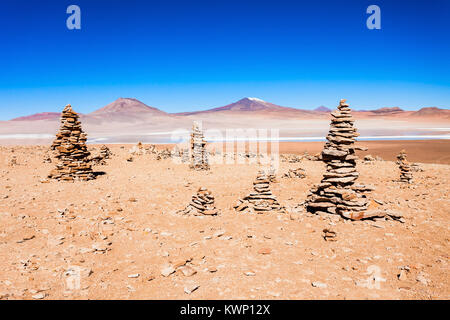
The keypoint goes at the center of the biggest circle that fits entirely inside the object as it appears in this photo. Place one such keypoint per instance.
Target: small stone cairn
(261, 200)
(295, 173)
(337, 192)
(137, 149)
(202, 203)
(199, 156)
(405, 168)
(105, 153)
(47, 156)
(71, 151)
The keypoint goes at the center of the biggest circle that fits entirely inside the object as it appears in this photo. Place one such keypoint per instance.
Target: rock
(191, 288)
(422, 279)
(219, 233)
(265, 251)
(329, 235)
(402, 275)
(318, 284)
(187, 271)
(167, 271)
(39, 296)
(134, 275)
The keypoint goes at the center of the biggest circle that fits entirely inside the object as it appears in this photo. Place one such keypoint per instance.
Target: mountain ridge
(124, 109)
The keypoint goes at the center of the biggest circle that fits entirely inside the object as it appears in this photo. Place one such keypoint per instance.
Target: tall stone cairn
(199, 156)
(261, 200)
(71, 152)
(405, 168)
(337, 192)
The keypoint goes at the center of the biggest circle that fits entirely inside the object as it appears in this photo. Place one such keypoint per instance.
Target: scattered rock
(191, 288)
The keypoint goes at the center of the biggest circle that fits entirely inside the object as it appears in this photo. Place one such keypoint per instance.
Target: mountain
(129, 106)
(253, 106)
(387, 110)
(39, 116)
(432, 112)
(322, 109)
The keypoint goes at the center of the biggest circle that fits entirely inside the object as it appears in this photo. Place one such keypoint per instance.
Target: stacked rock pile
(290, 158)
(199, 156)
(105, 153)
(261, 200)
(405, 168)
(137, 149)
(71, 151)
(337, 194)
(150, 149)
(368, 158)
(13, 161)
(295, 173)
(316, 157)
(202, 203)
(47, 157)
(415, 167)
(163, 154)
(271, 175)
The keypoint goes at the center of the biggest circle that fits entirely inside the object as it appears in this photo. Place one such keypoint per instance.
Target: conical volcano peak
(127, 105)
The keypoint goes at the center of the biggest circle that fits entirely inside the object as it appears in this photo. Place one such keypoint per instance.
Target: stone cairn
(291, 158)
(105, 153)
(47, 157)
(295, 173)
(71, 151)
(405, 168)
(137, 149)
(272, 175)
(202, 203)
(13, 161)
(261, 200)
(199, 156)
(337, 193)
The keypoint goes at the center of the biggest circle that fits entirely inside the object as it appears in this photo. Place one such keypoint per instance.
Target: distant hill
(432, 112)
(387, 110)
(127, 105)
(132, 110)
(39, 116)
(251, 106)
(322, 109)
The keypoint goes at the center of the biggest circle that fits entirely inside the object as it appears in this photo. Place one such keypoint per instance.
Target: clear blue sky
(191, 55)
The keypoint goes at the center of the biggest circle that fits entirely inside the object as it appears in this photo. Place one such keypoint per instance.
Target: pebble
(191, 288)
(318, 284)
(265, 251)
(167, 271)
(39, 296)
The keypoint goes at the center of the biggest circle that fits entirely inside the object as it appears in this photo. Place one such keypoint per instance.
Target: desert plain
(120, 236)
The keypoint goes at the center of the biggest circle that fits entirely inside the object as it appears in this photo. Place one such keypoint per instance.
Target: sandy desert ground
(121, 231)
